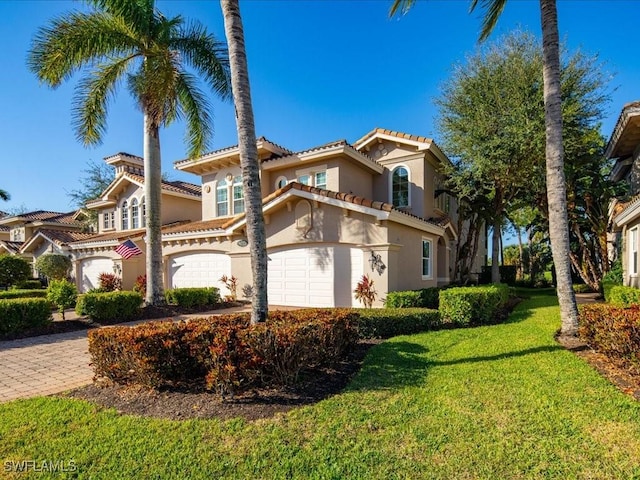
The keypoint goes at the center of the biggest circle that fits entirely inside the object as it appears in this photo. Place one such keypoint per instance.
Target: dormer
(126, 163)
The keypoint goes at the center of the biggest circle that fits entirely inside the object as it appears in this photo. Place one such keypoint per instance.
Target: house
(333, 213)
(624, 214)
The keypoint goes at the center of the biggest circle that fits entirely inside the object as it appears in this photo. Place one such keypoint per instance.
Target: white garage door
(314, 276)
(199, 270)
(91, 269)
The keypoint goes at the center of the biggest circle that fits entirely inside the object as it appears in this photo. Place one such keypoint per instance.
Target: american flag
(128, 249)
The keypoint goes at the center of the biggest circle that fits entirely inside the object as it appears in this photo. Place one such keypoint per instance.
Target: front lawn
(495, 402)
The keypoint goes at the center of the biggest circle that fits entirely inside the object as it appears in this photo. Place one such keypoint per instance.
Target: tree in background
(131, 42)
(248, 157)
(13, 270)
(54, 266)
(4, 195)
(95, 179)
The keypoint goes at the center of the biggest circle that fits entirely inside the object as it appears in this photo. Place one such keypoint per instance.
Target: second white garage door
(202, 269)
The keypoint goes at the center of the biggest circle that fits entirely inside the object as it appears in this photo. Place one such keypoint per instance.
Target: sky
(320, 71)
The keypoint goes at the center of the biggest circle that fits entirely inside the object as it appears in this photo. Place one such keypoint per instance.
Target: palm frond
(493, 10)
(4, 195)
(196, 108)
(138, 14)
(92, 96)
(403, 6)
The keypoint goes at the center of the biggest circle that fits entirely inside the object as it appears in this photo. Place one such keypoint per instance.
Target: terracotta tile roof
(229, 149)
(64, 237)
(4, 228)
(175, 186)
(123, 154)
(326, 146)
(201, 226)
(46, 216)
(393, 133)
(13, 247)
(441, 221)
(111, 236)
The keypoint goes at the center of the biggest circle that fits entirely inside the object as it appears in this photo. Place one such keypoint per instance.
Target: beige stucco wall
(210, 182)
(406, 271)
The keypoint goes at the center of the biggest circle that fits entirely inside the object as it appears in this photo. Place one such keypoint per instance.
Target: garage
(202, 269)
(314, 276)
(91, 269)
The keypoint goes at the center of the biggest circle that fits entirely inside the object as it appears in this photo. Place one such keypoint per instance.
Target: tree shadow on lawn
(396, 365)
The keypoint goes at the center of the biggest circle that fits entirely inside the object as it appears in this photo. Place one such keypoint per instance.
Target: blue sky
(320, 71)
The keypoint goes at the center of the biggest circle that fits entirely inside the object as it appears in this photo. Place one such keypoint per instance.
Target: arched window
(238, 196)
(222, 198)
(135, 214)
(144, 212)
(281, 183)
(124, 214)
(400, 187)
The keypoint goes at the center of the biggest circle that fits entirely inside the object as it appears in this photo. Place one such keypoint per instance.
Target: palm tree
(4, 195)
(126, 40)
(248, 156)
(556, 189)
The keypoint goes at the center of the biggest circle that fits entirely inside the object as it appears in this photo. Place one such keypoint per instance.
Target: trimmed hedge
(30, 293)
(424, 298)
(224, 353)
(612, 330)
(23, 313)
(109, 306)
(389, 322)
(32, 284)
(472, 305)
(621, 295)
(193, 297)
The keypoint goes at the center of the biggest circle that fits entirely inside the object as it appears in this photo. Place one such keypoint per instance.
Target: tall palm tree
(130, 40)
(4, 195)
(556, 188)
(248, 156)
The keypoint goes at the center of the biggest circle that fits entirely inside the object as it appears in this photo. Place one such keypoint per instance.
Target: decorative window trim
(238, 203)
(124, 215)
(135, 214)
(408, 170)
(429, 258)
(311, 173)
(222, 186)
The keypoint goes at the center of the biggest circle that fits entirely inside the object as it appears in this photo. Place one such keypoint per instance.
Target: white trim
(430, 258)
(633, 249)
(396, 167)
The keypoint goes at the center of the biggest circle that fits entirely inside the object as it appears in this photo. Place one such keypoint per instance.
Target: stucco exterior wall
(209, 184)
(406, 271)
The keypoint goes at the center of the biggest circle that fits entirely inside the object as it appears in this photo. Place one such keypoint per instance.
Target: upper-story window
(143, 206)
(222, 198)
(426, 259)
(320, 180)
(314, 177)
(281, 182)
(125, 215)
(304, 179)
(105, 220)
(135, 214)
(238, 196)
(400, 187)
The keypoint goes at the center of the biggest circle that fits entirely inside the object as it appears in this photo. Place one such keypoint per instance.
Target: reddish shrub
(141, 285)
(109, 282)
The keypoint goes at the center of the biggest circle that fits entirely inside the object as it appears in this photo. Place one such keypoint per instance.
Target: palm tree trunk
(248, 156)
(495, 251)
(520, 255)
(556, 189)
(152, 195)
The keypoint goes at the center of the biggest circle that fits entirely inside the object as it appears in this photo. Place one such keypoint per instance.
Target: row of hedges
(223, 353)
(23, 313)
(623, 296)
(109, 306)
(193, 297)
(424, 298)
(390, 322)
(612, 330)
(27, 293)
(473, 305)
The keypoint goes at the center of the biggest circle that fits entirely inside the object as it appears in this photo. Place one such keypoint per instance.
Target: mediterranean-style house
(624, 148)
(333, 213)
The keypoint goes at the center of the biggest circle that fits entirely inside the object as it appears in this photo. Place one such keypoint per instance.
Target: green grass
(495, 402)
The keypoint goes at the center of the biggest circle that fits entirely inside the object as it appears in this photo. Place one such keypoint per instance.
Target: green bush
(32, 284)
(62, 293)
(473, 305)
(581, 288)
(193, 297)
(223, 353)
(54, 266)
(612, 330)
(13, 270)
(424, 298)
(23, 313)
(32, 293)
(621, 295)
(390, 322)
(109, 306)
(612, 278)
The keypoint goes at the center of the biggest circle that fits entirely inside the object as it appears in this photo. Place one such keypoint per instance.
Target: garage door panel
(91, 269)
(202, 269)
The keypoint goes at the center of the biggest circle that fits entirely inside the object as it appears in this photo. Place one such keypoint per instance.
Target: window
(144, 213)
(106, 224)
(222, 198)
(113, 219)
(281, 183)
(400, 187)
(304, 179)
(238, 196)
(633, 251)
(135, 214)
(320, 180)
(125, 215)
(426, 258)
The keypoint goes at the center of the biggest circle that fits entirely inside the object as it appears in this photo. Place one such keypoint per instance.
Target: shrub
(23, 313)
(621, 295)
(612, 278)
(424, 298)
(62, 293)
(508, 274)
(54, 266)
(232, 284)
(109, 282)
(141, 285)
(13, 270)
(32, 284)
(473, 305)
(109, 306)
(581, 288)
(224, 353)
(365, 293)
(390, 322)
(612, 330)
(33, 293)
(193, 297)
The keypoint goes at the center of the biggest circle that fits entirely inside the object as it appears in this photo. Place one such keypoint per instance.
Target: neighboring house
(624, 148)
(333, 213)
(122, 216)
